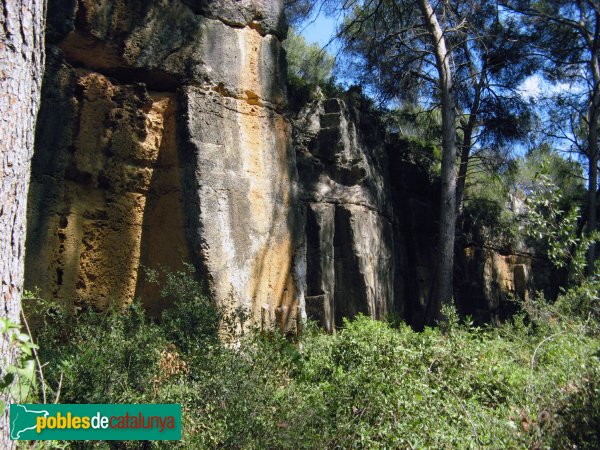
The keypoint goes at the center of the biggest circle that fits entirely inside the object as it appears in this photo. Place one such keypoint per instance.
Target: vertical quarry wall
(110, 171)
(348, 248)
(369, 206)
(162, 141)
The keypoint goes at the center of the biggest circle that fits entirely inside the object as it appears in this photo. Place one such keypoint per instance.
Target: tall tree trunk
(467, 143)
(592, 207)
(443, 288)
(593, 156)
(22, 24)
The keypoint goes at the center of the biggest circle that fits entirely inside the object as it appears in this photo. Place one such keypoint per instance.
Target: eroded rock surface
(162, 141)
(111, 171)
(490, 281)
(370, 212)
(348, 250)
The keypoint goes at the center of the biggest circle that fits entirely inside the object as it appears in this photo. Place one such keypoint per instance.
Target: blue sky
(319, 30)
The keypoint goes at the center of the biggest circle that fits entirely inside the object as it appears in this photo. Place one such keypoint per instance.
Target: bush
(192, 320)
(531, 383)
(577, 412)
(107, 357)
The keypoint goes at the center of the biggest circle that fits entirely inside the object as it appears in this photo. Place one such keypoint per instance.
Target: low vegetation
(530, 383)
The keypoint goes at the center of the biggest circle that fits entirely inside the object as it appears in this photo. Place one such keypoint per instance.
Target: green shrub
(192, 320)
(107, 357)
(530, 383)
(577, 412)
(17, 376)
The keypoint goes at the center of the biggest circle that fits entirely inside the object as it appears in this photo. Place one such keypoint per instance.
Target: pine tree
(22, 24)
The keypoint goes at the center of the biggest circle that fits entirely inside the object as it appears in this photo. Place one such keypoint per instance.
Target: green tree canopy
(565, 35)
(307, 63)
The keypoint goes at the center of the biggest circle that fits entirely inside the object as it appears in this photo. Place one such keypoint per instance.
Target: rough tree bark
(593, 152)
(22, 24)
(443, 288)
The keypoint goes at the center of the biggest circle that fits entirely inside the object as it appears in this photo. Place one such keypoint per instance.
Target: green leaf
(23, 337)
(25, 380)
(7, 380)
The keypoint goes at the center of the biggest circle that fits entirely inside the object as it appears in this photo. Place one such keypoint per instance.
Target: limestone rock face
(347, 260)
(230, 46)
(370, 214)
(241, 175)
(161, 141)
(492, 278)
(415, 194)
(488, 280)
(105, 179)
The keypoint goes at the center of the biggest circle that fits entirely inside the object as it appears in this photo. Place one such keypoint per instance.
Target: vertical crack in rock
(350, 296)
(320, 270)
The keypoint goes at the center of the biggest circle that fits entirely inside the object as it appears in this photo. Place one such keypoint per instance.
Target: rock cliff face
(348, 250)
(369, 206)
(488, 279)
(163, 139)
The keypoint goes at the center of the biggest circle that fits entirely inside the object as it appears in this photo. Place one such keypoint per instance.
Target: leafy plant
(529, 383)
(558, 229)
(17, 379)
(192, 320)
(307, 63)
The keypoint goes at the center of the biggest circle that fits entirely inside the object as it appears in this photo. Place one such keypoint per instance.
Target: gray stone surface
(230, 46)
(240, 195)
(350, 264)
(265, 15)
(320, 268)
